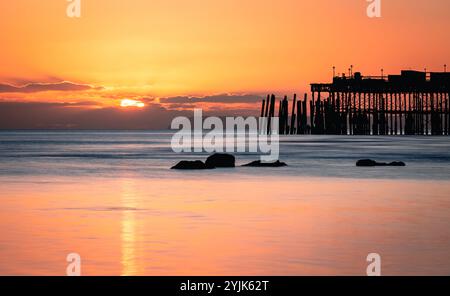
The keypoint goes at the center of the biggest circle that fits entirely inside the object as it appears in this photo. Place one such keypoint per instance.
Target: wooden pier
(413, 103)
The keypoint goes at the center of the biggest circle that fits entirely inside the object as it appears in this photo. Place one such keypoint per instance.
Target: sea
(111, 198)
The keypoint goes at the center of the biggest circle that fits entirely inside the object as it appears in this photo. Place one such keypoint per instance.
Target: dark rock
(260, 164)
(190, 165)
(366, 163)
(373, 163)
(397, 163)
(220, 161)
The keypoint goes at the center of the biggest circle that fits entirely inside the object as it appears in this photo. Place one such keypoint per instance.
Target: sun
(131, 103)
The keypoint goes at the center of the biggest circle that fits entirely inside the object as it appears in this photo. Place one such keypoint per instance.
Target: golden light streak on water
(128, 229)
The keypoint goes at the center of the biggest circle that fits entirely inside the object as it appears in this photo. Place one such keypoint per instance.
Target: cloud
(40, 87)
(219, 104)
(13, 80)
(222, 98)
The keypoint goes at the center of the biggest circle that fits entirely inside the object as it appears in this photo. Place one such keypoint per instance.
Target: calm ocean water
(148, 154)
(111, 197)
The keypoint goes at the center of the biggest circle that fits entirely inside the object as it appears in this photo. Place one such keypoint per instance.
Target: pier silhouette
(412, 103)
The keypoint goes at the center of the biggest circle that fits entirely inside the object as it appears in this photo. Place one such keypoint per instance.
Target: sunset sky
(61, 72)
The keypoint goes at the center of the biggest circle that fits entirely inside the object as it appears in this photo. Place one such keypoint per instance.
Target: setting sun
(131, 103)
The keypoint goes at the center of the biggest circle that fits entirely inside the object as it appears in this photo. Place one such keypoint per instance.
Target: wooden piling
(293, 116)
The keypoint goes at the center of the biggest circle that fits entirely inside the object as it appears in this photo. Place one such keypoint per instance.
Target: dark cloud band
(40, 87)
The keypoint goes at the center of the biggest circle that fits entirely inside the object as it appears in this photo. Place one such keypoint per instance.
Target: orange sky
(163, 48)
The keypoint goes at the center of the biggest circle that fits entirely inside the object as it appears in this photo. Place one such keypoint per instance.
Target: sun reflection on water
(128, 229)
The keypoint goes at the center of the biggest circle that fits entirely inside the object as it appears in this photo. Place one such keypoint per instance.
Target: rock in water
(220, 161)
(260, 164)
(366, 163)
(190, 165)
(397, 163)
(373, 163)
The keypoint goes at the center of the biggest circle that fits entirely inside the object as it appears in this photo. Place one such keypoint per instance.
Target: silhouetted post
(340, 103)
(345, 101)
(439, 118)
(447, 97)
(422, 112)
(385, 103)
(421, 119)
(335, 114)
(415, 118)
(405, 98)
(412, 113)
(427, 112)
(320, 115)
(299, 117)
(394, 111)
(381, 130)
(285, 115)
(441, 113)
(311, 113)
(416, 111)
(372, 106)
(305, 114)
(262, 108)
(448, 113)
(444, 113)
(354, 113)
(401, 112)
(271, 106)
(339, 113)
(436, 116)
(266, 113)
(377, 120)
(442, 107)
(409, 119)
(389, 109)
(360, 121)
(350, 112)
(420, 104)
(317, 116)
(280, 116)
(294, 103)
(431, 109)
(271, 114)
(405, 112)
(369, 113)
(382, 115)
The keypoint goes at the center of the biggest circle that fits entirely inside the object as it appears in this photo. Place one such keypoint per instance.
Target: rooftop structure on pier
(407, 81)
